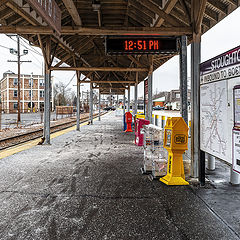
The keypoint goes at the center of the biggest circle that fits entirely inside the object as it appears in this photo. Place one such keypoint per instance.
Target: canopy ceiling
(85, 23)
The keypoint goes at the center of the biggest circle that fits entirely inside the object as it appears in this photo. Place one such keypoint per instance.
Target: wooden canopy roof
(85, 23)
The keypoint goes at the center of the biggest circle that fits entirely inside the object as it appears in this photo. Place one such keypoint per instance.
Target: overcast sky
(222, 37)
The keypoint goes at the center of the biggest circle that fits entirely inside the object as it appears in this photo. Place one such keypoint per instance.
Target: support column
(195, 106)
(78, 101)
(46, 50)
(149, 112)
(128, 106)
(47, 110)
(99, 106)
(183, 79)
(136, 95)
(91, 104)
(124, 103)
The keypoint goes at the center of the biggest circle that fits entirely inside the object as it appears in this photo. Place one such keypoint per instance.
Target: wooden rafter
(3, 2)
(101, 69)
(168, 8)
(20, 11)
(83, 47)
(166, 31)
(198, 8)
(69, 4)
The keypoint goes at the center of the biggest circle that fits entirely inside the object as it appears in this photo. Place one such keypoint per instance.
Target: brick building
(9, 92)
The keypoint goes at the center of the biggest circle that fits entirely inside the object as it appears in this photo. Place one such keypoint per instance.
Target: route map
(213, 119)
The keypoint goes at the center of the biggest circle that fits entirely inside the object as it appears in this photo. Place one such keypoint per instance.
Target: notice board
(218, 77)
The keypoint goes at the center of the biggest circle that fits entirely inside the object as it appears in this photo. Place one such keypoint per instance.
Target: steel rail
(4, 143)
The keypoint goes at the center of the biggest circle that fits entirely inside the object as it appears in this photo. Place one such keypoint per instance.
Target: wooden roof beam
(161, 13)
(68, 56)
(3, 2)
(185, 10)
(67, 30)
(82, 45)
(137, 62)
(198, 9)
(110, 81)
(101, 69)
(232, 2)
(18, 8)
(69, 4)
(219, 6)
(168, 8)
(142, 8)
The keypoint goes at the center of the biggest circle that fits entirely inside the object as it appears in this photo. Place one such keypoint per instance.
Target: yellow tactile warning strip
(24, 146)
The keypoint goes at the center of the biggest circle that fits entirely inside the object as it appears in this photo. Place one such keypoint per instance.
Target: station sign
(140, 44)
(49, 11)
(223, 66)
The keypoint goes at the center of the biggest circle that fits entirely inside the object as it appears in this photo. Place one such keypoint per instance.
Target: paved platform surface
(87, 185)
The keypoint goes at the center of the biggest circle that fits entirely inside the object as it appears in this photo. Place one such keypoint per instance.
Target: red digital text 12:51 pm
(141, 45)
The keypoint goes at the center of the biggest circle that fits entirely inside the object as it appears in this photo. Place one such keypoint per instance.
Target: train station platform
(88, 185)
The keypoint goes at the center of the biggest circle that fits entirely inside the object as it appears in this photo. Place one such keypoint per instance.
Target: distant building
(170, 99)
(9, 92)
(159, 101)
(174, 99)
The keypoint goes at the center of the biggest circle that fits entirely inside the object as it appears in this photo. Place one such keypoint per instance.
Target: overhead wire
(34, 51)
(70, 81)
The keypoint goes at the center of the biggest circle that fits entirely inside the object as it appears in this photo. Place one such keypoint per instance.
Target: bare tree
(62, 95)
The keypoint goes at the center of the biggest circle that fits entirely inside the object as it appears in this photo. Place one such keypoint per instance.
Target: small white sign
(236, 150)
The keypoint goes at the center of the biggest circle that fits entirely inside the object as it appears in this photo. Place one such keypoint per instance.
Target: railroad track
(28, 136)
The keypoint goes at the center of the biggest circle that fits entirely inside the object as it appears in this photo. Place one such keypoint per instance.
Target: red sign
(49, 11)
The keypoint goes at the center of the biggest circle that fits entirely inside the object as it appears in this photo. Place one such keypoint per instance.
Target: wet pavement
(88, 185)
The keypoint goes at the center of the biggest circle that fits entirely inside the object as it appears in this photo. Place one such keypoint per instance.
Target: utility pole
(17, 52)
(19, 80)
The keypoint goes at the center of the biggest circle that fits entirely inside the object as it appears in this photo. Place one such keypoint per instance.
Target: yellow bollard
(176, 143)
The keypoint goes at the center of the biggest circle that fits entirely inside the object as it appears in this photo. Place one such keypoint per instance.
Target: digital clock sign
(140, 45)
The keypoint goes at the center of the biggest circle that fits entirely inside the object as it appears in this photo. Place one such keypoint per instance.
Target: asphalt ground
(88, 185)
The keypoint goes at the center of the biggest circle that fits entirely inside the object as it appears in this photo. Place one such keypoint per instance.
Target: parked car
(158, 108)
